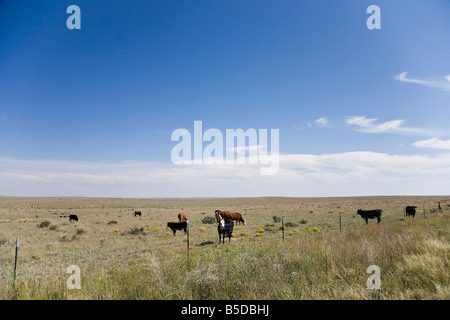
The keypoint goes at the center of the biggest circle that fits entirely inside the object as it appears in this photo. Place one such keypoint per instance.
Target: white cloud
(339, 174)
(368, 125)
(439, 84)
(321, 122)
(433, 143)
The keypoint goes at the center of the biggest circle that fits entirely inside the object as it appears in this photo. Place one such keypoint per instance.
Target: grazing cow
(182, 217)
(225, 228)
(236, 216)
(370, 214)
(73, 217)
(177, 226)
(410, 211)
(137, 213)
(240, 218)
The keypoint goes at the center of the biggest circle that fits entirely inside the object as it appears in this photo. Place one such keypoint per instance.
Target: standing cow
(137, 213)
(174, 226)
(225, 228)
(410, 211)
(370, 214)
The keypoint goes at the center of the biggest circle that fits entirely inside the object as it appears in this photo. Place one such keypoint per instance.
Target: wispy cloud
(321, 122)
(370, 125)
(338, 174)
(433, 143)
(442, 83)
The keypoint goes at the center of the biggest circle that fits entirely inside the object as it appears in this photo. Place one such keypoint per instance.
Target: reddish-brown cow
(236, 216)
(182, 217)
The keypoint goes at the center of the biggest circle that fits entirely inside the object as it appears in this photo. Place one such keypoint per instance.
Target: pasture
(123, 256)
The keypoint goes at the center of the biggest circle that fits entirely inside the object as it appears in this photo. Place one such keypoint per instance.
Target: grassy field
(125, 257)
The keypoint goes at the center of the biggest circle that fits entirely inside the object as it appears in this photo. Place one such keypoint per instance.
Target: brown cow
(240, 218)
(137, 213)
(230, 215)
(182, 217)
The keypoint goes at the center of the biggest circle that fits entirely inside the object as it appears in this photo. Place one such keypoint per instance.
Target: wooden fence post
(15, 260)
(187, 231)
(423, 209)
(282, 226)
(340, 222)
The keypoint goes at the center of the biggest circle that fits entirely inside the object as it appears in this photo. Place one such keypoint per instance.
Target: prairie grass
(314, 262)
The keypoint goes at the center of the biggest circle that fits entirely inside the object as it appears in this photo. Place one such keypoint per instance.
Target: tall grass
(413, 256)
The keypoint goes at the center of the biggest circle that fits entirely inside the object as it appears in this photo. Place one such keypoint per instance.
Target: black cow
(410, 211)
(225, 228)
(177, 226)
(370, 214)
(73, 217)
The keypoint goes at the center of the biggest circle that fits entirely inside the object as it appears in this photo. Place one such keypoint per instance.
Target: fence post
(15, 260)
(282, 226)
(340, 222)
(423, 209)
(187, 227)
(404, 213)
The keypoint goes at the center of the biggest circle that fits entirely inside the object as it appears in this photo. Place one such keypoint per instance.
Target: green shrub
(134, 230)
(44, 224)
(209, 220)
(290, 224)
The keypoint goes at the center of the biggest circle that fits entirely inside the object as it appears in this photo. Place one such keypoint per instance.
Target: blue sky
(113, 92)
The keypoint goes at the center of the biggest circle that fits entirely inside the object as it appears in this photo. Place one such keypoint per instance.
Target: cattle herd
(225, 220)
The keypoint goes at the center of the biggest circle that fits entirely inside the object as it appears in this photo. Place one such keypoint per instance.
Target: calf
(370, 214)
(73, 217)
(410, 211)
(177, 226)
(225, 228)
(182, 217)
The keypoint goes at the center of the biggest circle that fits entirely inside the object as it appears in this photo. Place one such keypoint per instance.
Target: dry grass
(135, 258)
